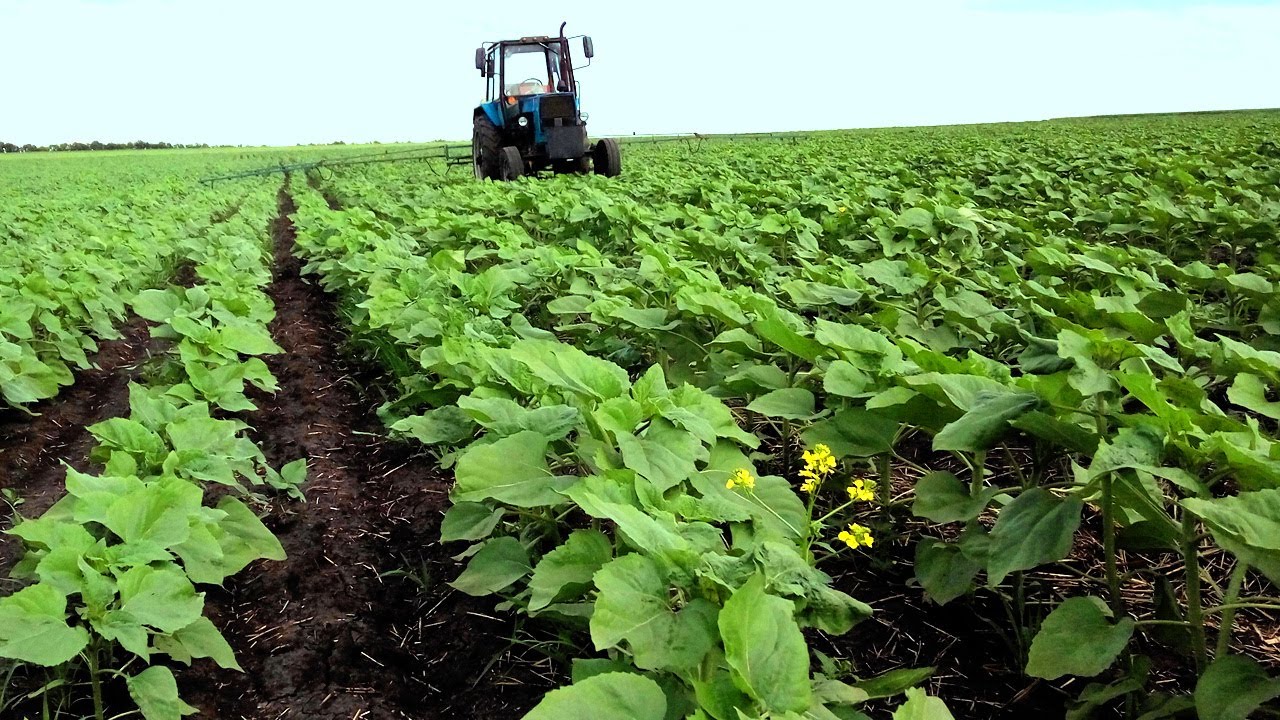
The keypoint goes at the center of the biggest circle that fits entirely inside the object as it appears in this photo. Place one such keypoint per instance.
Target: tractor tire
(606, 157)
(486, 144)
(511, 165)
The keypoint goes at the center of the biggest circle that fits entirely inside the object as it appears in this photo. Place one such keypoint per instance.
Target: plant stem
(1191, 569)
(95, 682)
(1017, 467)
(1239, 605)
(884, 463)
(1109, 546)
(786, 446)
(977, 473)
(1229, 608)
(828, 516)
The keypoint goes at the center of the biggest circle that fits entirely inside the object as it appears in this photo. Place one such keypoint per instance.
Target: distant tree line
(8, 147)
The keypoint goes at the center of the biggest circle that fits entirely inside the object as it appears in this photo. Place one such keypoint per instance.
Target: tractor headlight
(523, 121)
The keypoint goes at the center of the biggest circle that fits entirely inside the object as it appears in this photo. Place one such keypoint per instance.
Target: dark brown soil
(328, 633)
(33, 448)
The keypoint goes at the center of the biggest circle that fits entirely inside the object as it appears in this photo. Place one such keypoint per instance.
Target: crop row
(112, 568)
(569, 437)
(1108, 309)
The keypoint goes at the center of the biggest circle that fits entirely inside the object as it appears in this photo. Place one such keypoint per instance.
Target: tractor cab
(531, 119)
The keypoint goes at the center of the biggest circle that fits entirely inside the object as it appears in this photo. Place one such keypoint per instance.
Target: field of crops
(967, 422)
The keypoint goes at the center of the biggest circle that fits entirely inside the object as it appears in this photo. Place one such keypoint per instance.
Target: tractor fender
(493, 111)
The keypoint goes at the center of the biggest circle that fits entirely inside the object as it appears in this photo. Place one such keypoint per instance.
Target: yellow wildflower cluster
(818, 464)
(856, 536)
(741, 478)
(862, 490)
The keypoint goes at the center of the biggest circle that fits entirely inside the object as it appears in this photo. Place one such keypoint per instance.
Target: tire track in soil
(33, 448)
(325, 634)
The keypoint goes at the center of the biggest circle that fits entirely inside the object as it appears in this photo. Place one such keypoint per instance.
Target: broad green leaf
(775, 508)
(248, 339)
(865, 348)
(819, 605)
(499, 563)
(765, 649)
(633, 607)
(845, 379)
(894, 682)
(657, 535)
(569, 568)
(583, 668)
(609, 695)
(155, 691)
(507, 417)
(942, 498)
(568, 367)
(920, 706)
(944, 571)
(740, 338)
(854, 432)
(201, 639)
(161, 597)
(1249, 392)
(512, 470)
(469, 521)
(1247, 525)
(1036, 528)
(788, 403)
(1137, 448)
(1251, 517)
(664, 454)
(771, 324)
(34, 629)
(1233, 687)
(1041, 357)
(1078, 638)
(129, 435)
(449, 425)
(157, 513)
(983, 424)
(245, 538)
(156, 305)
(121, 627)
(1051, 429)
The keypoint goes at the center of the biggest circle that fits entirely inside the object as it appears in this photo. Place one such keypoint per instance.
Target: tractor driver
(532, 86)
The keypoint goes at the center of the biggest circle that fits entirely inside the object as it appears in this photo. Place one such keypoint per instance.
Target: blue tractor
(531, 119)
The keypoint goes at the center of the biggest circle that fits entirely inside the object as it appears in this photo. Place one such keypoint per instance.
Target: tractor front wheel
(511, 165)
(606, 157)
(486, 144)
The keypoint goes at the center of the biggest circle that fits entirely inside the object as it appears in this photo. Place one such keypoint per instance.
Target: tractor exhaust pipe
(566, 22)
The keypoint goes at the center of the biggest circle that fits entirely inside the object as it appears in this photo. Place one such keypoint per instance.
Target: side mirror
(480, 59)
(588, 48)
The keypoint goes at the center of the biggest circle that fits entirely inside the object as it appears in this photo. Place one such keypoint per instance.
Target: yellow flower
(818, 464)
(843, 208)
(862, 490)
(856, 536)
(742, 477)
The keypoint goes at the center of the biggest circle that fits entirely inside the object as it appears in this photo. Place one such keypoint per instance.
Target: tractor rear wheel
(511, 165)
(606, 157)
(485, 146)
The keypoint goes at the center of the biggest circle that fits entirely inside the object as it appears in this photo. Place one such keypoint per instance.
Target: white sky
(290, 71)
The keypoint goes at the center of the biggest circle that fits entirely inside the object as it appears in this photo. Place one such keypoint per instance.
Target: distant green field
(723, 430)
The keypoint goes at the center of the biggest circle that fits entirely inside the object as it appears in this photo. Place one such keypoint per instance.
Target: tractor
(531, 119)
